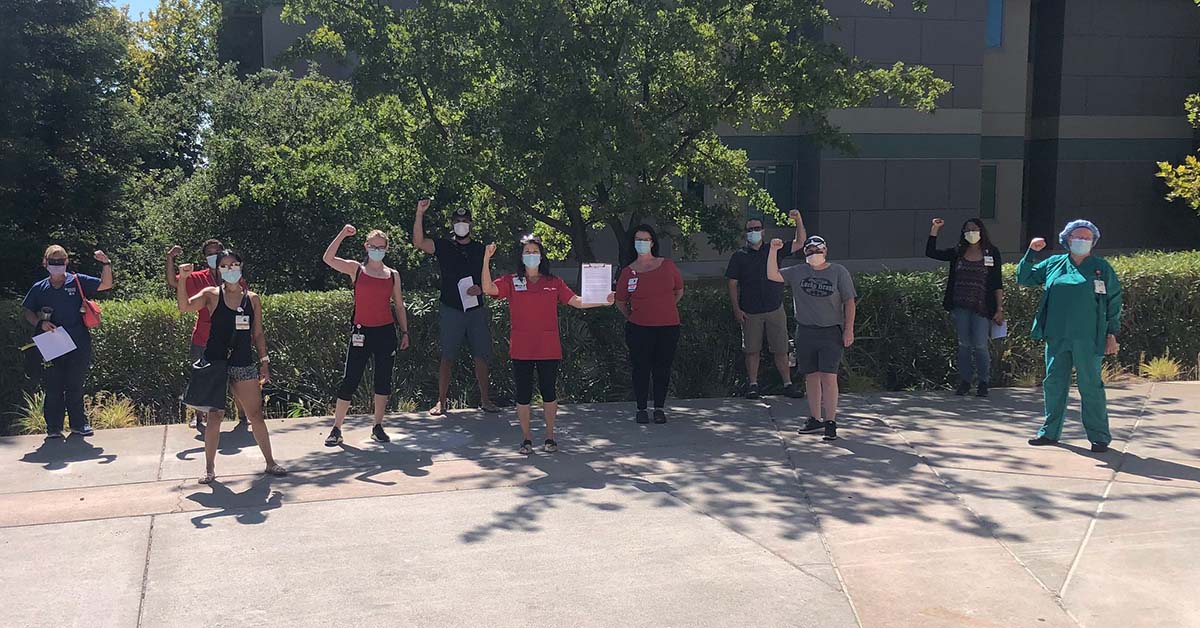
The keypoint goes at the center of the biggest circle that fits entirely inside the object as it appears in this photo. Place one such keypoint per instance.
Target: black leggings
(651, 352)
(547, 372)
(379, 342)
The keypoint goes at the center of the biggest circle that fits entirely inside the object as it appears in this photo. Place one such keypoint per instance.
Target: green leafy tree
(593, 114)
(1183, 180)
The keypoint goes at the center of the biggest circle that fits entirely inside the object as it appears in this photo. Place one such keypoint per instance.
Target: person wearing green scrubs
(1079, 317)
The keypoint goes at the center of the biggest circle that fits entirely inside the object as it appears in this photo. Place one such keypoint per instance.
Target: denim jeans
(974, 331)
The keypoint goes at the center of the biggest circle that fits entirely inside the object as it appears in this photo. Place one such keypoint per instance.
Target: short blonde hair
(377, 233)
(54, 249)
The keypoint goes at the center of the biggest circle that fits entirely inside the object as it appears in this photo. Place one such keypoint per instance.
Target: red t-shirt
(651, 295)
(196, 282)
(533, 309)
(373, 300)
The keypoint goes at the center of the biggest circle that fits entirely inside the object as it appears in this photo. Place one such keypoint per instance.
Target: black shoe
(1042, 441)
(643, 417)
(812, 426)
(54, 435)
(526, 447)
(752, 391)
(962, 388)
(378, 435)
(335, 437)
(550, 446)
(1099, 447)
(792, 391)
(660, 417)
(982, 391)
(830, 431)
(86, 430)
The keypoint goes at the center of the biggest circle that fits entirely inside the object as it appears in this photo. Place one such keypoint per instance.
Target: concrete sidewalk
(930, 511)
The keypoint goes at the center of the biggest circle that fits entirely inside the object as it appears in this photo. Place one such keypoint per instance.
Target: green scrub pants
(1063, 355)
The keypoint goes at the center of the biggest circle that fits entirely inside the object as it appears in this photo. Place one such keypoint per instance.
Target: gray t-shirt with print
(819, 295)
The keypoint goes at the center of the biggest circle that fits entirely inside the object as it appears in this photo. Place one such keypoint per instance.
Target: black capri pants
(651, 354)
(547, 374)
(378, 342)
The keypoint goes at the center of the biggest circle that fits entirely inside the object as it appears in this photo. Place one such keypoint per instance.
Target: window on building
(776, 179)
(995, 23)
(987, 192)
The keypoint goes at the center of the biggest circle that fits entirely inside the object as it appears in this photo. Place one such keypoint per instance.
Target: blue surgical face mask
(376, 254)
(212, 261)
(531, 260)
(231, 275)
(1081, 247)
(754, 237)
(642, 246)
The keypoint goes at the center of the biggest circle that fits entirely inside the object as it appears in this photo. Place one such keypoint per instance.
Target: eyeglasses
(754, 228)
(232, 266)
(60, 261)
(376, 248)
(644, 239)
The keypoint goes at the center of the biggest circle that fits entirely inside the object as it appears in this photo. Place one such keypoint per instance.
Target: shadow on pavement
(55, 455)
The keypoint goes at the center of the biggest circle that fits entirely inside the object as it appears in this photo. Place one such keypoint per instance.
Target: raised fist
(422, 205)
(776, 244)
(1037, 244)
(174, 251)
(938, 223)
(795, 216)
(349, 230)
(185, 270)
(101, 257)
(489, 251)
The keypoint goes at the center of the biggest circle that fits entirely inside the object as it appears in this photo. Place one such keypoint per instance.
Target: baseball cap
(815, 240)
(460, 212)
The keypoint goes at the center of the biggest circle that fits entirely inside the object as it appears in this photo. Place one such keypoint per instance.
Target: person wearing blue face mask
(758, 303)
(378, 307)
(228, 360)
(1079, 317)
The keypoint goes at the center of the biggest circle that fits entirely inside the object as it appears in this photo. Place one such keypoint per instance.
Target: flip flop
(207, 478)
(437, 410)
(275, 470)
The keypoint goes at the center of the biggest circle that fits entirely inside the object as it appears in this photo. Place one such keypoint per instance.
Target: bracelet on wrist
(264, 360)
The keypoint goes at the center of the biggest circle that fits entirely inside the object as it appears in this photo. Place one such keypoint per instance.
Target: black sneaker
(54, 435)
(752, 391)
(1099, 447)
(792, 391)
(812, 426)
(660, 417)
(982, 391)
(830, 431)
(335, 437)
(643, 417)
(378, 435)
(1042, 441)
(962, 388)
(86, 430)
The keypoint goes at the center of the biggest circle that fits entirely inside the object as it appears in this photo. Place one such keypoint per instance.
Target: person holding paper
(974, 297)
(56, 302)
(462, 314)
(228, 361)
(648, 294)
(825, 304)
(533, 296)
(1079, 318)
(378, 306)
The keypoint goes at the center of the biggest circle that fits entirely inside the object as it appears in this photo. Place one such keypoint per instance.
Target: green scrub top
(1074, 306)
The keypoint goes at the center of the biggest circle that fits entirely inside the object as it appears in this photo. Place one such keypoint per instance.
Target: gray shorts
(819, 349)
(472, 325)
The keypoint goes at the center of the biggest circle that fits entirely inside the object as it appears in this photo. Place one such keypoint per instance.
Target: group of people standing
(1079, 318)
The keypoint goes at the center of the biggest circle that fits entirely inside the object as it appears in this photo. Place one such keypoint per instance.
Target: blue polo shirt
(66, 302)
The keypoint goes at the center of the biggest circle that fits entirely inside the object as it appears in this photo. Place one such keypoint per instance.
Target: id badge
(989, 261)
(241, 322)
(633, 281)
(357, 340)
(1101, 288)
(519, 284)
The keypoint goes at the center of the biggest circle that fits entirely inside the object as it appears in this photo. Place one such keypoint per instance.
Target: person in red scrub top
(648, 291)
(533, 296)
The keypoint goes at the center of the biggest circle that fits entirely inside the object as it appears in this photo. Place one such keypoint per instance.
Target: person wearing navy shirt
(54, 302)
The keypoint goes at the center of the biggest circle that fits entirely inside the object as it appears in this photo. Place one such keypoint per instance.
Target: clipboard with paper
(54, 344)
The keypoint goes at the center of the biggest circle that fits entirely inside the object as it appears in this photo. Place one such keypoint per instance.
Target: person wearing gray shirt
(824, 299)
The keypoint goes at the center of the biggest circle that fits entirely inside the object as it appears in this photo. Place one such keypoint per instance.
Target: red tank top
(372, 300)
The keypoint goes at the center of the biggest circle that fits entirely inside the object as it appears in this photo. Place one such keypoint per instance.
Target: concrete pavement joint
(162, 454)
(837, 571)
(145, 573)
(1087, 536)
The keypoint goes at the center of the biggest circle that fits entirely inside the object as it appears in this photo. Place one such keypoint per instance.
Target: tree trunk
(581, 245)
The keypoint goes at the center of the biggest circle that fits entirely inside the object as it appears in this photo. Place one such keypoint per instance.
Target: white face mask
(972, 237)
(816, 259)
(57, 271)
(461, 229)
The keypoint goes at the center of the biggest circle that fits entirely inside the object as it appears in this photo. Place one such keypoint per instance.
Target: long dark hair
(985, 243)
(633, 255)
(543, 266)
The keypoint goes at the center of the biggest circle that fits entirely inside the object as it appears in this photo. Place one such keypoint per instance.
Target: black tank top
(225, 341)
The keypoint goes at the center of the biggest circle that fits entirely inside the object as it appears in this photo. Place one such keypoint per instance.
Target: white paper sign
(54, 344)
(468, 301)
(596, 283)
(999, 330)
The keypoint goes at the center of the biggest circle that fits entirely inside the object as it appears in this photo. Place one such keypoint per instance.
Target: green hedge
(905, 341)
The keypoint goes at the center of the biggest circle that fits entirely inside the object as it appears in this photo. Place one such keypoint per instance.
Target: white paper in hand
(468, 301)
(596, 283)
(999, 330)
(54, 344)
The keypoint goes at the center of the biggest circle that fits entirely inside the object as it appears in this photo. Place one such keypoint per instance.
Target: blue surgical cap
(1076, 224)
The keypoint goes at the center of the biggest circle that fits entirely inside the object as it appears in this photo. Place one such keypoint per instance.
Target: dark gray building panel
(958, 42)
(916, 184)
(881, 234)
(852, 184)
(887, 40)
